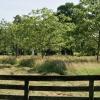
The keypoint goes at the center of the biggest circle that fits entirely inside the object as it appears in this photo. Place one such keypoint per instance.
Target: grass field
(74, 66)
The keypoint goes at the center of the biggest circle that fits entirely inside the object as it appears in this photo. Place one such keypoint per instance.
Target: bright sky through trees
(10, 8)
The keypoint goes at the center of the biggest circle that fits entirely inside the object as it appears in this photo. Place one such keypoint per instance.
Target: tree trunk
(17, 51)
(43, 55)
(98, 48)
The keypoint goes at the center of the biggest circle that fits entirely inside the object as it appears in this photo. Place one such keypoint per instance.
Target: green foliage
(52, 66)
(75, 27)
(41, 30)
(9, 60)
(27, 62)
(92, 21)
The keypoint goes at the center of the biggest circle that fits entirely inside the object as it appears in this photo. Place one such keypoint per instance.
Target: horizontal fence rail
(26, 87)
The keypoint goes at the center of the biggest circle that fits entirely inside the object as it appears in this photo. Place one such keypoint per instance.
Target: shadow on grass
(51, 67)
(2, 66)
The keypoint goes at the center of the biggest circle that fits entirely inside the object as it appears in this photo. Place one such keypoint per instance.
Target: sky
(11, 8)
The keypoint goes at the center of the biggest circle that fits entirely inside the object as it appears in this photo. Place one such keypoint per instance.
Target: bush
(9, 60)
(55, 66)
(27, 62)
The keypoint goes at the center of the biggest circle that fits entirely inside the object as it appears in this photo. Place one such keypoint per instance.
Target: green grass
(85, 68)
(52, 66)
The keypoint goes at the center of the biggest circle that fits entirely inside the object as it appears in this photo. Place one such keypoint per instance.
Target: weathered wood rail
(26, 87)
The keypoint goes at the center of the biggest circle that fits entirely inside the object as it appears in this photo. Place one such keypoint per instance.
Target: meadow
(61, 65)
(49, 65)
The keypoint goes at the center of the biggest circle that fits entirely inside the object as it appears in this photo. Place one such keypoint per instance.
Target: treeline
(72, 29)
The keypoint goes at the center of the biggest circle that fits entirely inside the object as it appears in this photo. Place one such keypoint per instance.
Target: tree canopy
(72, 27)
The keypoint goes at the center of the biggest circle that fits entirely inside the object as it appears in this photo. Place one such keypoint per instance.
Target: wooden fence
(26, 87)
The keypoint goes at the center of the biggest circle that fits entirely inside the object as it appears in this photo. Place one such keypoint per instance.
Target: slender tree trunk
(17, 52)
(43, 54)
(98, 48)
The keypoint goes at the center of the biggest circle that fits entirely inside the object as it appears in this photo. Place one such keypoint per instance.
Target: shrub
(27, 62)
(54, 66)
(9, 60)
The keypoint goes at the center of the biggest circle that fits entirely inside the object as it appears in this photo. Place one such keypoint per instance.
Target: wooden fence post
(26, 90)
(91, 89)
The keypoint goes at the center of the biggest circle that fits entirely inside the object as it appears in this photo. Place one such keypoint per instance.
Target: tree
(47, 31)
(16, 34)
(66, 9)
(4, 37)
(65, 15)
(93, 12)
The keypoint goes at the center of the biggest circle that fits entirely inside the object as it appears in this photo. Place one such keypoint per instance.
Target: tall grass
(52, 66)
(30, 62)
(8, 60)
(62, 65)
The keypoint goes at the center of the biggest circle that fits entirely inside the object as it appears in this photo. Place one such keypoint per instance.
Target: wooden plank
(57, 98)
(98, 98)
(91, 90)
(49, 88)
(26, 90)
(15, 97)
(60, 88)
(11, 97)
(50, 78)
(97, 88)
(13, 87)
